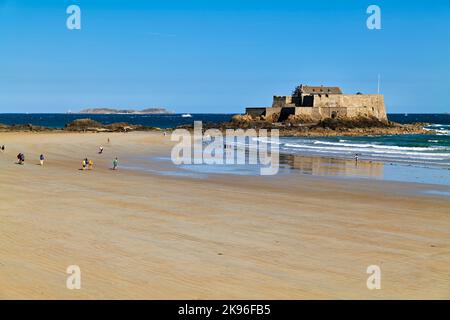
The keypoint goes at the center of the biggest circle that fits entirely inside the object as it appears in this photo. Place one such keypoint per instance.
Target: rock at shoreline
(23, 127)
(83, 125)
(94, 126)
(351, 123)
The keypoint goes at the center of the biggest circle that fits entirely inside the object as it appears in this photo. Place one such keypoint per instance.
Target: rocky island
(125, 111)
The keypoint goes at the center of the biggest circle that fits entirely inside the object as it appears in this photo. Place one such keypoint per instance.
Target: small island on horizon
(158, 110)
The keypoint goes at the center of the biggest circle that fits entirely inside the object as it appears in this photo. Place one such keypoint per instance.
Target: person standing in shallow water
(115, 163)
(41, 159)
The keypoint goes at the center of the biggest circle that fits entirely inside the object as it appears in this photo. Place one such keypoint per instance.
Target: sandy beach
(142, 235)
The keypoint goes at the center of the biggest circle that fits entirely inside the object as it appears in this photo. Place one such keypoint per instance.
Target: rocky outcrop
(357, 122)
(296, 119)
(240, 119)
(23, 127)
(304, 127)
(85, 125)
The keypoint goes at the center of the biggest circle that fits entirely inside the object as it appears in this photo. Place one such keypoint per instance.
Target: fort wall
(281, 101)
(350, 105)
(327, 106)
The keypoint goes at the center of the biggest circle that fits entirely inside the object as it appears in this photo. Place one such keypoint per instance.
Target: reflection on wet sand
(318, 166)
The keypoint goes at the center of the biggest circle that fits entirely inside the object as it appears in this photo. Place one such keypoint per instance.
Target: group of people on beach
(86, 164)
(21, 158)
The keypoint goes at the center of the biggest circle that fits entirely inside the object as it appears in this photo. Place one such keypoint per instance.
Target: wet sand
(146, 236)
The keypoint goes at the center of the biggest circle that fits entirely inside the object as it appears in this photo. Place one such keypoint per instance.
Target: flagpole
(378, 83)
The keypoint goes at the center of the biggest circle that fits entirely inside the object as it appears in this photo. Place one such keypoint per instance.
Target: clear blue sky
(219, 55)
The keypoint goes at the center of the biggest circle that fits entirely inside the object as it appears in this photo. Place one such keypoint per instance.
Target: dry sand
(146, 236)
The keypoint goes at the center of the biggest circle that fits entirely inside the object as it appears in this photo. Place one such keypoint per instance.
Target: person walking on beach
(100, 150)
(3, 148)
(21, 158)
(90, 165)
(356, 158)
(41, 159)
(115, 163)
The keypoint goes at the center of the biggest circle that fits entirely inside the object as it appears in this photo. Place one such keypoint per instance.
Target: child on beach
(115, 163)
(41, 159)
(90, 164)
(83, 165)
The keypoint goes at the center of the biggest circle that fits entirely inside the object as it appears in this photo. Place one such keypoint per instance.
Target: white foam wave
(375, 146)
(434, 155)
(266, 140)
(443, 132)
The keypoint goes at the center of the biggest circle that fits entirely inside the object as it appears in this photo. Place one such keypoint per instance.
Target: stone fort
(318, 102)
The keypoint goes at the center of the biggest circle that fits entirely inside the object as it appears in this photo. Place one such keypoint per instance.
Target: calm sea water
(164, 121)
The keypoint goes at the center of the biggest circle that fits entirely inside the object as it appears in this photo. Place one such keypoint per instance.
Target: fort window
(333, 114)
(308, 101)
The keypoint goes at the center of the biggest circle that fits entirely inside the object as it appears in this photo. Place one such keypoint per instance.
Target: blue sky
(219, 55)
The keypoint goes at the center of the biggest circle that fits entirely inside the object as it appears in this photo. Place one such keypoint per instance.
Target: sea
(430, 151)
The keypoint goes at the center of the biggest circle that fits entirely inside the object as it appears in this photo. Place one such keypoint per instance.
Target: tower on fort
(319, 102)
